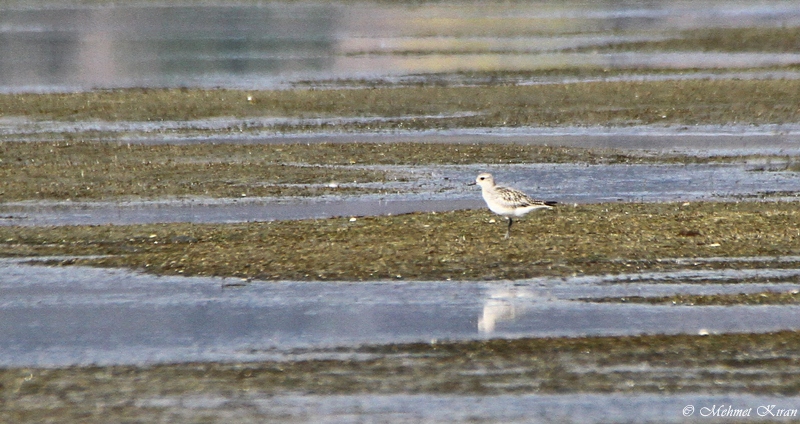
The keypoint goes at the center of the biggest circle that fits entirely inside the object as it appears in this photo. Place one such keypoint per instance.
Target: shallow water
(46, 46)
(430, 408)
(57, 316)
(437, 189)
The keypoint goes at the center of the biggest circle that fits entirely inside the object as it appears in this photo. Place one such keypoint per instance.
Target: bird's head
(484, 180)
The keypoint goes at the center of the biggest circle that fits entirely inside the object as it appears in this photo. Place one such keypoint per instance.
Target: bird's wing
(515, 198)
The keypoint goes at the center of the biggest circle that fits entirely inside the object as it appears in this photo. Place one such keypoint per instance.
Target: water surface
(46, 46)
(58, 316)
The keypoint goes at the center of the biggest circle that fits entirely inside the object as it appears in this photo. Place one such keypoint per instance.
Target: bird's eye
(483, 178)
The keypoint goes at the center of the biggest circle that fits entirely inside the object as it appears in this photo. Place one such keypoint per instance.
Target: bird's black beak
(472, 183)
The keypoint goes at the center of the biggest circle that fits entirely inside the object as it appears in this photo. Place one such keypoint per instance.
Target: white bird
(507, 201)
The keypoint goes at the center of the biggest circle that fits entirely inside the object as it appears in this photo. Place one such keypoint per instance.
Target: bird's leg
(508, 232)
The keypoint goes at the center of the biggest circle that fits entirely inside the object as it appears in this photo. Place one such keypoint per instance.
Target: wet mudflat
(461, 245)
(145, 347)
(438, 408)
(428, 189)
(683, 103)
(57, 183)
(613, 308)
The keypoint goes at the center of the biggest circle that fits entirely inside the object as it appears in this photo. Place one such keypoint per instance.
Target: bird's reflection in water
(506, 303)
(495, 310)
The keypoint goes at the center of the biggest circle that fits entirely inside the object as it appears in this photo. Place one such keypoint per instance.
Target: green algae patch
(617, 103)
(105, 171)
(748, 39)
(630, 364)
(757, 39)
(461, 245)
(557, 75)
(763, 298)
(758, 364)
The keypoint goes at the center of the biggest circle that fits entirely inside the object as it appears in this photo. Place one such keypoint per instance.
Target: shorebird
(506, 201)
